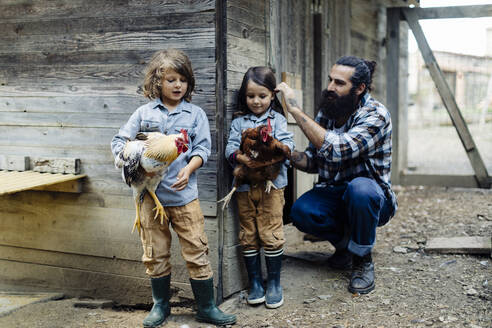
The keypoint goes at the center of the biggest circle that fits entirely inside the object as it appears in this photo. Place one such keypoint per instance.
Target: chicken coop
(71, 76)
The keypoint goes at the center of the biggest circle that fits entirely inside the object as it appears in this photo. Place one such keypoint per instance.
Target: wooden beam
(448, 99)
(398, 3)
(453, 12)
(460, 245)
(464, 181)
(393, 85)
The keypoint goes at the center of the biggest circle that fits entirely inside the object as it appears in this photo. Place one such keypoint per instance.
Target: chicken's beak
(264, 135)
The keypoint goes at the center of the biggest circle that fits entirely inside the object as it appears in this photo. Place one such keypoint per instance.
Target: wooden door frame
(481, 178)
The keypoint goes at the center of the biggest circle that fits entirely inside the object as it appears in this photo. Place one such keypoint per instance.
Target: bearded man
(350, 149)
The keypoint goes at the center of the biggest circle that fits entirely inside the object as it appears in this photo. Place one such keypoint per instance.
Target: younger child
(260, 212)
(168, 83)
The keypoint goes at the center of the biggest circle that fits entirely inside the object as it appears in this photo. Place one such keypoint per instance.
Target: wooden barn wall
(275, 34)
(368, 33)
(70, 77)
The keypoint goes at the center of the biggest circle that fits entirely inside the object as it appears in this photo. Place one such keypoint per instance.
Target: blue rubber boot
(274, 294)
(160, 294)
(207, 310)
(256, 294)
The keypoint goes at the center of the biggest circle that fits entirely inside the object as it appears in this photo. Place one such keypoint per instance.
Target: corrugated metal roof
(15, 181)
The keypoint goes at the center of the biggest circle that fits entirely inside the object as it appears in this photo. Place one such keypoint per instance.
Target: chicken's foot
(227, 198)
(268, 186)
(137, 223)
(159, 209)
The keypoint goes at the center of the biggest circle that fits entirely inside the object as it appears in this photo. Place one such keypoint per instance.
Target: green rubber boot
(160, 294)
(207, 310)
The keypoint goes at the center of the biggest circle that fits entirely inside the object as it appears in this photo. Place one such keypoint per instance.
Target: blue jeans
(346, 215)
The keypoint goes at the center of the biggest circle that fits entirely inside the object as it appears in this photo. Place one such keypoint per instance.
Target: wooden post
(222, 167)
(393, 86)
(448, 99)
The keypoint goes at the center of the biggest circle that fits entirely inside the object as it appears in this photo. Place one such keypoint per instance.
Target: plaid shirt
(359, 148)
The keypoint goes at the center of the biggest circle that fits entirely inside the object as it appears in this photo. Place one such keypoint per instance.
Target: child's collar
(181, 106)
(269, 113)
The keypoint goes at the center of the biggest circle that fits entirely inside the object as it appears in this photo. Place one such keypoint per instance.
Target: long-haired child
(260, 212)
(169, 83)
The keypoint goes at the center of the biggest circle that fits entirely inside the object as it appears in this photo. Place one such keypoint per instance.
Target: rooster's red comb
(185, 135)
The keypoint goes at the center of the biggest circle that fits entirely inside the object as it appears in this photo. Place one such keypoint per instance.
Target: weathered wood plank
(73, 261)
(32, 89)
(41, 10)
(448, 100)
(18, 26)
(90, 74)
(66, 138)
(76, 120)
(113, 41)
(201, 56)
(460, 245)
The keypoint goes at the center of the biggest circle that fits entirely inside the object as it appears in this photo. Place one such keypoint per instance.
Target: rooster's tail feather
(131, 168)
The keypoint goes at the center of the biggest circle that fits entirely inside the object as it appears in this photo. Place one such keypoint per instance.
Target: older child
(168, 83)
(260, 212)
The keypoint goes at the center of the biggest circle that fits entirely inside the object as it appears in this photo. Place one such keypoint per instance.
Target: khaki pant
(260, 218)
(188, 223)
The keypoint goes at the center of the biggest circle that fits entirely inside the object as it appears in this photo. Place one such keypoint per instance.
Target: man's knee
(363, 192)
(299, 210)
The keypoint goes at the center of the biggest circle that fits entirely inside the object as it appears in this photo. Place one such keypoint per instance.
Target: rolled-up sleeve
(234, 140)
(281, 132)
(202, 143)
(126, 132)
(312, 163)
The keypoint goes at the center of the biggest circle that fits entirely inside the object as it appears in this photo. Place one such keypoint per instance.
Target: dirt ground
(414, 288)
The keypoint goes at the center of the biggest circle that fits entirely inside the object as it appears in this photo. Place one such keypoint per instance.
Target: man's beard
(336, 107)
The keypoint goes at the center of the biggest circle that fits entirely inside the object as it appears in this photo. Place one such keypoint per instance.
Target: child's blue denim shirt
(279, 132)
(154, 117)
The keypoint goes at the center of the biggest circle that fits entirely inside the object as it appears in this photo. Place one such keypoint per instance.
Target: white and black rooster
(144, 162)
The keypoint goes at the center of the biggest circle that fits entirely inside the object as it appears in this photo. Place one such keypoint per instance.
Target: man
(350, 149)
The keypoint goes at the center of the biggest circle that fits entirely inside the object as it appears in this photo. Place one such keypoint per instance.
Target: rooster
(267, 154)
(144, 161)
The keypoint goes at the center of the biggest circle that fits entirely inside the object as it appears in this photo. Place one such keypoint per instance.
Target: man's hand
(312, 130)
(288, 95)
